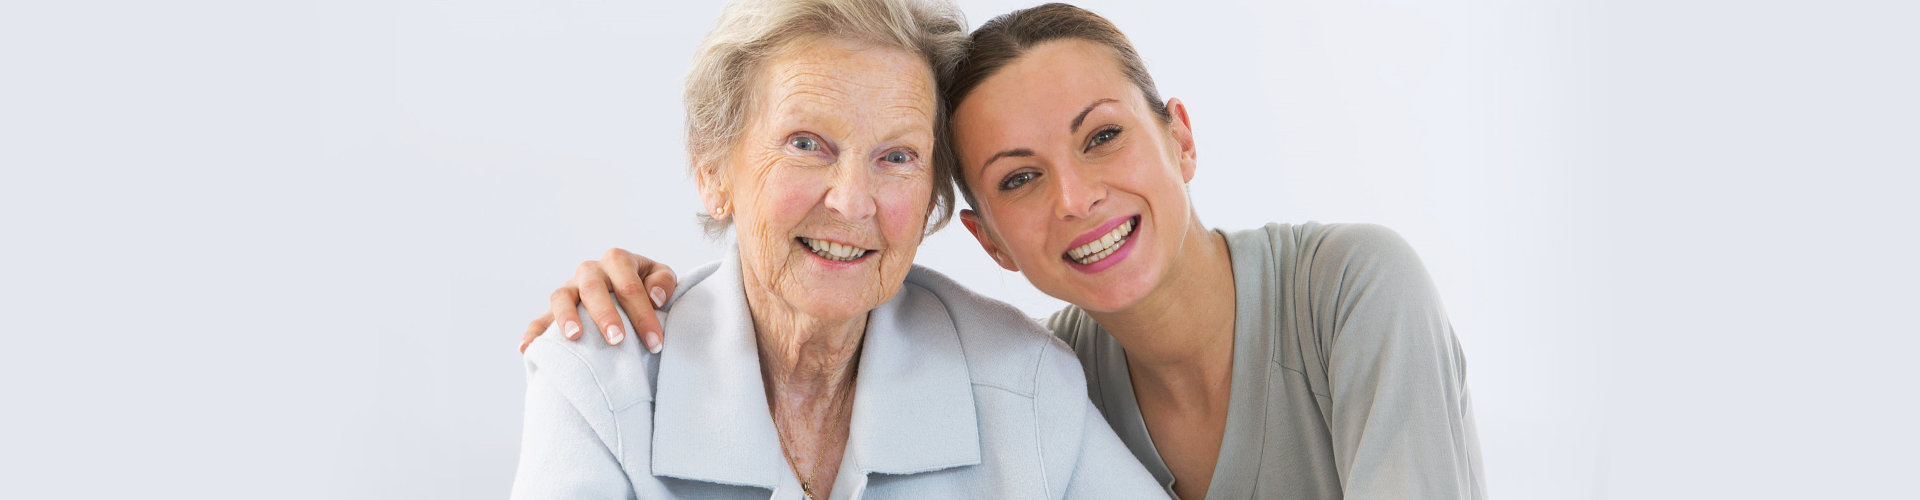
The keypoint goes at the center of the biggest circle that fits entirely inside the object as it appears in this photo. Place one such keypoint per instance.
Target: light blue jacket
(959, 396)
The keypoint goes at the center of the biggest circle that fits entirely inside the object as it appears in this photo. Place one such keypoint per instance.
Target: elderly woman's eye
(1101, 137)
(898, 157)
(1014, 181)
(804, 143)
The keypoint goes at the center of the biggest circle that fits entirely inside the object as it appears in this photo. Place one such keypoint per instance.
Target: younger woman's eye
(1016, 180)
(898, 157)
(804, 143)
(1101, 137)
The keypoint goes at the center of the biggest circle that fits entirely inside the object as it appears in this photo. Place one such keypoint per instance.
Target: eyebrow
(1016, 153)
(1083, 113)
(1026, 153)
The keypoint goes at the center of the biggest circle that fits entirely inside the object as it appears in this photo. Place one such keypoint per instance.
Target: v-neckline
(1240, 453)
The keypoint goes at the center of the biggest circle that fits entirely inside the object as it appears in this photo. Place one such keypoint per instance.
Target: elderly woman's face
(832, 183)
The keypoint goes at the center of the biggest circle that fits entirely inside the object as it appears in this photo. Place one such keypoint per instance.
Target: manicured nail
(659, 297)
(573, 330)
(653, 342)
(614, 335)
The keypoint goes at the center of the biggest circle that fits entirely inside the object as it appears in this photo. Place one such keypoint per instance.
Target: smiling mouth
(1101, 248)
(833, 251)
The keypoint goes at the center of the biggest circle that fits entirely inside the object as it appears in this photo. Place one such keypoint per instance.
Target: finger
(660, 285)
(599, 301)
(564, 307)
(534, 329)
(621, 262)
(632, 293)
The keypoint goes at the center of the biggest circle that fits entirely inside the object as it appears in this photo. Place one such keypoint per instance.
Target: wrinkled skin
(823, 160)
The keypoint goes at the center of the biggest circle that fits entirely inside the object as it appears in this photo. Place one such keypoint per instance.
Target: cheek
(786, 196)
(1162, 161)
(1032, 243)
(1144, 172)
(1021, 228)
(904, 207)
(774, 205)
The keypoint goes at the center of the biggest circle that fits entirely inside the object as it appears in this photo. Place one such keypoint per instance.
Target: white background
(286, 251)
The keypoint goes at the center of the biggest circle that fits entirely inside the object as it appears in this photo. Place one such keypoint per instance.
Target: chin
(840, 311)
(1110, 299)
(1099, 295)
(832, 300)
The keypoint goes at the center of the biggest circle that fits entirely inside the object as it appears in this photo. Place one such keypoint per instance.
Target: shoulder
(1366, 288)
(1364, 259)
(594, 376)
(1364, 244)
(597, 377)
(1004, 348)
(1328, 257)
(623, 374)
(576, 390)
(1334, 247)
(1072, 325)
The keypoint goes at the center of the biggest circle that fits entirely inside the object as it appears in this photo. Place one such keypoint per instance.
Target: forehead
(841, 77)
(1053, 77)
(1058, 72)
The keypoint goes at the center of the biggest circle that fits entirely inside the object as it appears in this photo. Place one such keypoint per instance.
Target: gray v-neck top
(1347, 379)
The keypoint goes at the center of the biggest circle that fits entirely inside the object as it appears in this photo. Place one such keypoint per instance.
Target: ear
(1182, 131)
(712, 190)
(988, 240)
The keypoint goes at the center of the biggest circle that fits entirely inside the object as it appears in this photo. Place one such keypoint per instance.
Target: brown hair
(1004, 39)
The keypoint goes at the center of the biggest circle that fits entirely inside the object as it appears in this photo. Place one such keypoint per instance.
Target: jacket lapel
(913, 410)
(711, 421)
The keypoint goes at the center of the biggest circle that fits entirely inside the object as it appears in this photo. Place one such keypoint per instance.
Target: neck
(1181, 333)
(807, 363)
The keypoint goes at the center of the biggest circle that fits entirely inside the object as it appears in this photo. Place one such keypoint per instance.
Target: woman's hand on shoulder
(638, 283)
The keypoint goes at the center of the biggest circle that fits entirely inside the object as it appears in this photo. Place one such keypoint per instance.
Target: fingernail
(614, 335)
(573, 330)
(659, 297)
(653, 342)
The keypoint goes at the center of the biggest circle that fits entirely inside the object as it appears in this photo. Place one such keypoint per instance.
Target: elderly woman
(826, 365)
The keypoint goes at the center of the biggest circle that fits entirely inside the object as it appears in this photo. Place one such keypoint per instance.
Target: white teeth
(834, 251)
(1101, 248)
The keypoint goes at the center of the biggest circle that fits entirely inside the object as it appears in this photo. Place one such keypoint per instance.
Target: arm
(638, 283)
(561, 457)
(1402, 420)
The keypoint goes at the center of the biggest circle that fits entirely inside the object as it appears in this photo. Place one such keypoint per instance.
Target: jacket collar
(913, 410)
(913, 407)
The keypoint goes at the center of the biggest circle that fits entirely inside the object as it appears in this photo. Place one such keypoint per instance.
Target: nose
(851, 195)
(1079, 191)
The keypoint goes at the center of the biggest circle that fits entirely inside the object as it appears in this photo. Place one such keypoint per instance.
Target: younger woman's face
(1078, 184)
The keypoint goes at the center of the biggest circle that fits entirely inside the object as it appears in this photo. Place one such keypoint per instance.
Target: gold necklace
(806, 482)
